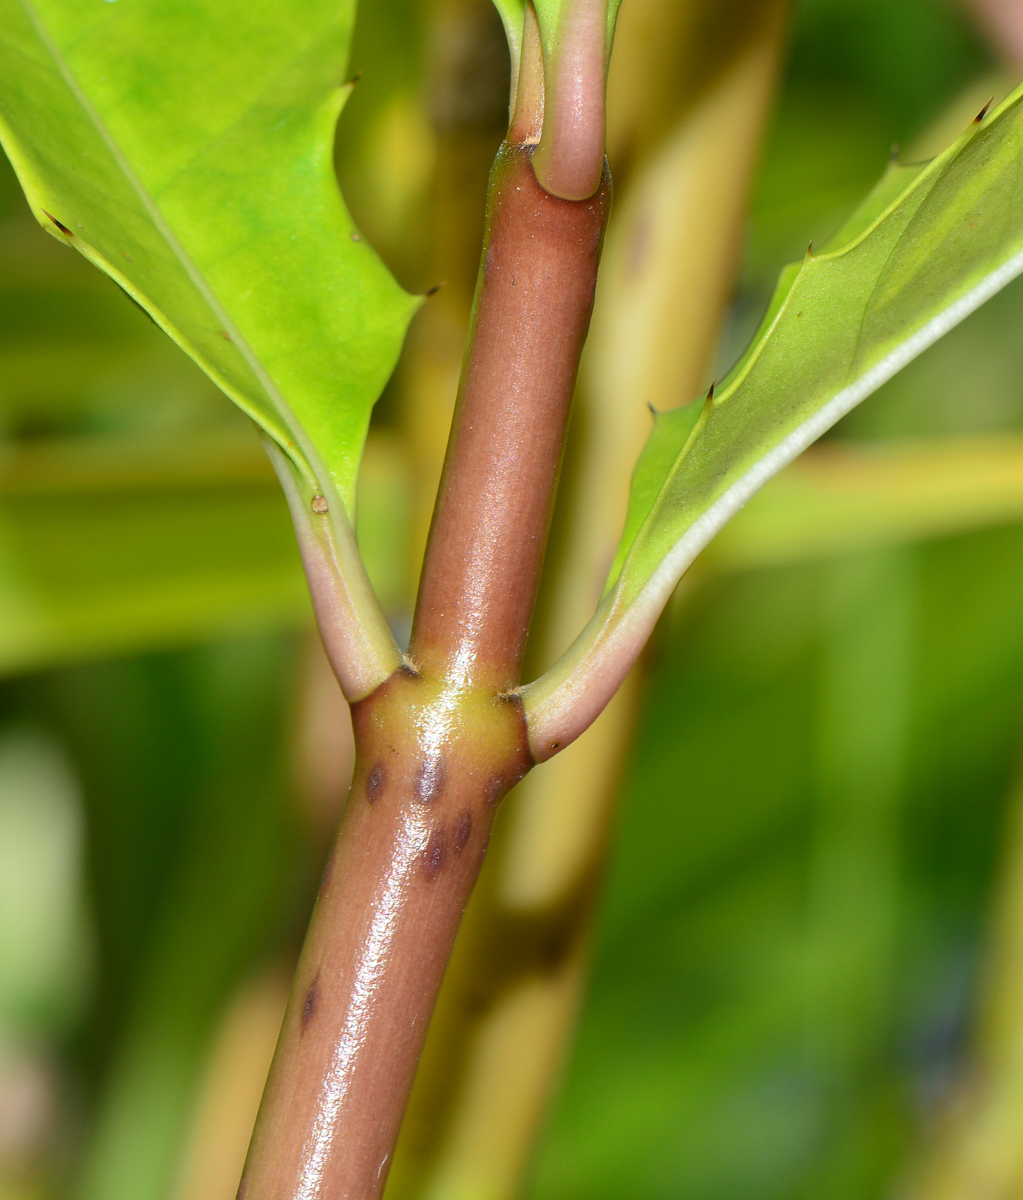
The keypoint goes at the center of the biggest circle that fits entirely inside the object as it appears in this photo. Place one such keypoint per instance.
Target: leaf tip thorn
(983, 112)
(436, 288)
(60, 224)
(710, 391)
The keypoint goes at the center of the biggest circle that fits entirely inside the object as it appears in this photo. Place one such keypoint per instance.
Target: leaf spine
(60, 224)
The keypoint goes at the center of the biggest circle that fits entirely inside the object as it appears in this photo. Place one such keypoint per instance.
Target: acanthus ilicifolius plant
(186, 151)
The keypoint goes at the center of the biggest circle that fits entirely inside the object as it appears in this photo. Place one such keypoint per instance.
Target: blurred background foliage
(793, 960)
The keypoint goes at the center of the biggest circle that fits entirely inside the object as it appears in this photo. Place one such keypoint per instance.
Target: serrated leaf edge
(568, 697)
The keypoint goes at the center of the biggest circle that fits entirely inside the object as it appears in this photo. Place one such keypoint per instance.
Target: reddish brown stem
(530, 317)
(438, 746)
(428, 778)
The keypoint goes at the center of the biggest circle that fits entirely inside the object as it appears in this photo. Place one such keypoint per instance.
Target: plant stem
(533, 301)
(433, 761)
(440, 743)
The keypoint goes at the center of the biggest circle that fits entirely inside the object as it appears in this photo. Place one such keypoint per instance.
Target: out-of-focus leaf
(122, 547)
(120, 544)
(187, 151)
(738, 1041)
(197, 874)
(44, 944)
(842, 497)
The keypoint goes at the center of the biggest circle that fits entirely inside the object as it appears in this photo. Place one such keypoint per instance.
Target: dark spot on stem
(429, 781)
(375, 783)
(462, 830)
(309, 1004)
(433, 855)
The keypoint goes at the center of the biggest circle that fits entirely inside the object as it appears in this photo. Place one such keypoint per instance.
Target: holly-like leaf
(186, 150)
(928, 246)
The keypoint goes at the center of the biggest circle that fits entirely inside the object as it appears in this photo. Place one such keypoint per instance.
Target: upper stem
(530, 316)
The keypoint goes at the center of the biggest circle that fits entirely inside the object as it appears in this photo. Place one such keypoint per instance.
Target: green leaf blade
(906, 268)
(188, 151)
(849, 320)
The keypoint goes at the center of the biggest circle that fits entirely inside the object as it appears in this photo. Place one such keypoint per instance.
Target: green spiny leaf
(928, 246)
(186, 150)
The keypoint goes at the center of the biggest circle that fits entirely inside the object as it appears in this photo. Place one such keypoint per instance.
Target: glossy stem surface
(532, 309)
(439, 744)
(432, 764)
